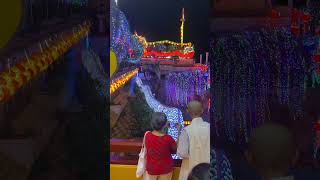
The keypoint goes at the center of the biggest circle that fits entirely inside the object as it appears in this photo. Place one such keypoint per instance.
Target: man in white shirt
(194, 141)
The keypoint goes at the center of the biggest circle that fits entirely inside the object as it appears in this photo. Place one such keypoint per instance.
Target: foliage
(142, 112)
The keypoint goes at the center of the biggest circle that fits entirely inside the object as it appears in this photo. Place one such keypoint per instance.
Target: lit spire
(182, 26)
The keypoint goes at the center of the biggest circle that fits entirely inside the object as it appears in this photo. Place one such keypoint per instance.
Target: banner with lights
(15, 77)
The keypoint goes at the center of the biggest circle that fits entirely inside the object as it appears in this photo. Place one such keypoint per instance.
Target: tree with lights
(125, 45)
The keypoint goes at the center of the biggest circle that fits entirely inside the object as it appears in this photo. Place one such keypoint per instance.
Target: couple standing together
(193, 145)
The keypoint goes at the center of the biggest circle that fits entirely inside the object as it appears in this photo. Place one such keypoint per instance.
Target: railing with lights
(122, 80)
(174, 115)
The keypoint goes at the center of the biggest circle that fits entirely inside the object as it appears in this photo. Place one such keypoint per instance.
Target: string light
(20, 74)
(248, 70)
(182, 87)
(123, 42)
(177, 53)
(122, 80)
(174, 115)
(186, 123)
(182, 26)
(169, 42)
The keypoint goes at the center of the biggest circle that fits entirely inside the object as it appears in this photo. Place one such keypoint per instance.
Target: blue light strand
(181, 87)
(174, 115)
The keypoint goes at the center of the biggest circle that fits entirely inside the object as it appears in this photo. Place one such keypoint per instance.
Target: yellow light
(181, 27)
(122, 80)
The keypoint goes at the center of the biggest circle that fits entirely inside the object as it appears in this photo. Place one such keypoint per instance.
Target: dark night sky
(160, 20)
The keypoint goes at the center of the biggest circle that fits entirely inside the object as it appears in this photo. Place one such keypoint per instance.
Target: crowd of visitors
(282, 149)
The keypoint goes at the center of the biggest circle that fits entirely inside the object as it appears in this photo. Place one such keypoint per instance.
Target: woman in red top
(159, 146)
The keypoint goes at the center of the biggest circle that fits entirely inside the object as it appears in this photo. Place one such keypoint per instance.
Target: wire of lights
(182, 26)
(174, 115)
(169, 42)
(122, 80)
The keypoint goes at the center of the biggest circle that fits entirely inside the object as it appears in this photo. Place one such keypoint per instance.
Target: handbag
(141, 166)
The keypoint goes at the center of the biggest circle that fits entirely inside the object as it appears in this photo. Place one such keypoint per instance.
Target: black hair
(158, 121)
(200, 172)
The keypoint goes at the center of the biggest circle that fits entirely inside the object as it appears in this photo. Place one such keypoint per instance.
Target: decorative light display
(168, 54)
(186, 123)
(220, 168)
(142, 40)
(15, 77)
(122, 40)
(122, 80)
(202, 67)
(168, 42)
(182, 87)
(182, 26)
(174, 115)
(181, 50)
(249, 70)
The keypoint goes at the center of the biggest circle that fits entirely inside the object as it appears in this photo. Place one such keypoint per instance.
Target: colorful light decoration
(17, 76)
(182, 26)
(122, 80)
(182, 50)
(123, 42)
(182, 87)
(248, 71)
(174, 115)
(220, 168)
(164, 55)
(186, 123)
(168, 42)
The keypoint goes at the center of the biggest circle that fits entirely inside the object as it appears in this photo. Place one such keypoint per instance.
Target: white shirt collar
(198, 119)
